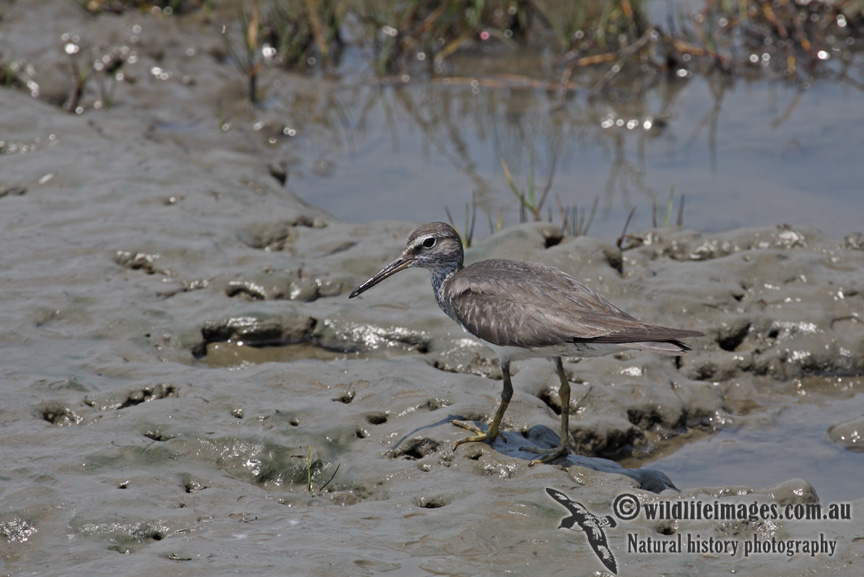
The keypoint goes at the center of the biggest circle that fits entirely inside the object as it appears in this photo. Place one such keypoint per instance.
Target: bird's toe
(549, 455)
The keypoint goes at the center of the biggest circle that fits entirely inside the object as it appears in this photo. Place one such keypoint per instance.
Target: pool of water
(792, 443)
(740, 153)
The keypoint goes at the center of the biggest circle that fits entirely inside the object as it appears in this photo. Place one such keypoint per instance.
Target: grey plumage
(531, 305)
(522, 310)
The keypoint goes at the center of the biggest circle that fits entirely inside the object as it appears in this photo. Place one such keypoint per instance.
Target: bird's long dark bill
(400, 263)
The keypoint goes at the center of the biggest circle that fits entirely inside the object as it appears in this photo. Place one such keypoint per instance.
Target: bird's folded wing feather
(532, 305)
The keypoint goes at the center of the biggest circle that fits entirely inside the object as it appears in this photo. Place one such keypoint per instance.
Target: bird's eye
(429, 242)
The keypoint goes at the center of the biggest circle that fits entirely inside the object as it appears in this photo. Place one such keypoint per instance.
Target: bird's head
(434, 245)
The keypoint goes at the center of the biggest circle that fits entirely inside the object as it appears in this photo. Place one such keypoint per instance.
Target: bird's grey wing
(531, 305)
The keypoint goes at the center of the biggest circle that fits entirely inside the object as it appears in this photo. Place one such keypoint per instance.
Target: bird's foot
(489, 435)
(549, 455)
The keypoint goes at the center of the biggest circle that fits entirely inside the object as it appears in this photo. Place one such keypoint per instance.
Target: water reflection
(742, 152)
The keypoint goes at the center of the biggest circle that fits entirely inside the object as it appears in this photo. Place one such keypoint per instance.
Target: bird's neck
(439, 277)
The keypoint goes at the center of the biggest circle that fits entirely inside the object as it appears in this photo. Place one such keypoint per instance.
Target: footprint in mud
(62, 415)
(122, 400)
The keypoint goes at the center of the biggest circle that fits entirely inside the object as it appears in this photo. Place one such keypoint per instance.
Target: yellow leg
(492, 432)
(563, 448)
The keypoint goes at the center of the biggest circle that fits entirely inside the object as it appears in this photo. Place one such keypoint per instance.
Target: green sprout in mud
(9, 76)
(224, 123)
(573, 220)
(309, 470)
(245, 57)
(309, 488)
(528, 201)
(304, 32)
(498, 223)
(660, 218)
(470, 219)
(663, 217)
(289, 32)
(87, 65)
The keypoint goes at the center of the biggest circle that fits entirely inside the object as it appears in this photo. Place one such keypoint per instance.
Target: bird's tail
(662, 347)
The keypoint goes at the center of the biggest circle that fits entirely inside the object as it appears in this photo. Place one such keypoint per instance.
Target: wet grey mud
(188, 390)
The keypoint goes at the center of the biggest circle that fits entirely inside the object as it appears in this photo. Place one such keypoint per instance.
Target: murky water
(761, 454)
(741, 153)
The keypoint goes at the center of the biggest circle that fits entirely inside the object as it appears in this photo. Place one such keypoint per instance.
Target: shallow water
(762, 455)
(742, 154)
